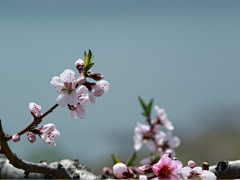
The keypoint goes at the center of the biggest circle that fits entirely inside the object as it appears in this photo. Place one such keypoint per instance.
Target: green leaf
(90, 56)
(88, 67)
(86, 60)
(131, 159)
(145, 107)
(149, 107)
(115, 159)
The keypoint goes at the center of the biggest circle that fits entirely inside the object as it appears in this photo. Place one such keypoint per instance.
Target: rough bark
(76, 170)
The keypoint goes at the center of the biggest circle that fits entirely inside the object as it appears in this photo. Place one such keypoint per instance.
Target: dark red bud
(96, 76)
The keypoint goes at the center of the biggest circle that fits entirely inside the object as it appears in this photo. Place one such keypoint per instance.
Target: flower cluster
(159, 141)
(77, 99)
(76, 93)
(165, 168)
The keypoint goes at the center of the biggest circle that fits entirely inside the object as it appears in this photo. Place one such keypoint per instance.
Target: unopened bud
(191, 164)
(107, 170)
(31, 137)
(15, 137)
(205, 166)
(79, 65)
(81, 79)
(120, 170)
(145, 169)
(35, 109)
(96, 76)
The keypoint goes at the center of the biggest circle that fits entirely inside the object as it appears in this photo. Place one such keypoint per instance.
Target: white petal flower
(162, 117)
(48, 133)
(66, 85)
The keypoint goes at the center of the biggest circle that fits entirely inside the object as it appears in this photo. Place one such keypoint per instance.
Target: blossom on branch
(167, 143)
(47, 133)
(35, 109)
(162, 118)
(101, 87)
(83, 101)
(196, 173)
(66, 85)
(167, 168)
(144, 134)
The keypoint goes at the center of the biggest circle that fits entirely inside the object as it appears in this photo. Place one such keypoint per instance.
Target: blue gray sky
(184, 54)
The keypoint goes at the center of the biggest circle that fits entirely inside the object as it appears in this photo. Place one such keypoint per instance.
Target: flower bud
(15, 137)
(96, 76)
(101, 88)
(120, 170)
(81, 79)
(107, 170)
(79, 65)
(191, 164)
(145, 169)
(35, 109)
(31, 137)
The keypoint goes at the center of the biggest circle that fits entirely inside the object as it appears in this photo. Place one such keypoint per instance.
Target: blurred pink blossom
(196, 173)
(191, 164)
(167, 168)
(144, 134)
(162, 118)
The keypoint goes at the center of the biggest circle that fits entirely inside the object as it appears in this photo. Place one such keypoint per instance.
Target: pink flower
(66, 85)
(162, 117)
(48, 133)
(120, 170)
(197, 173)
(15, 137)
(81, 79)
(99, 89)
(35, 109)
(31, 137)
(144, 134)
(83, 101)
(167, 168)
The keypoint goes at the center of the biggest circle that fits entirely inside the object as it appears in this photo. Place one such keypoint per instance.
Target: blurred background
(184, 54)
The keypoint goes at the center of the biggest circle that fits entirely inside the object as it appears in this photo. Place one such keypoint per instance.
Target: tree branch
(57, 172)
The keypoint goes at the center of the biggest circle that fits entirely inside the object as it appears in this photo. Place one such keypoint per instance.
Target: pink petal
(91, 96)
(151, 145)
(57, 83)
(73, 98)
(81, 112)
(73, 114)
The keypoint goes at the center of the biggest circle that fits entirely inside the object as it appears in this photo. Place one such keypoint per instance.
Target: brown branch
(58, 172)
(34, 122)
(226, 169)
